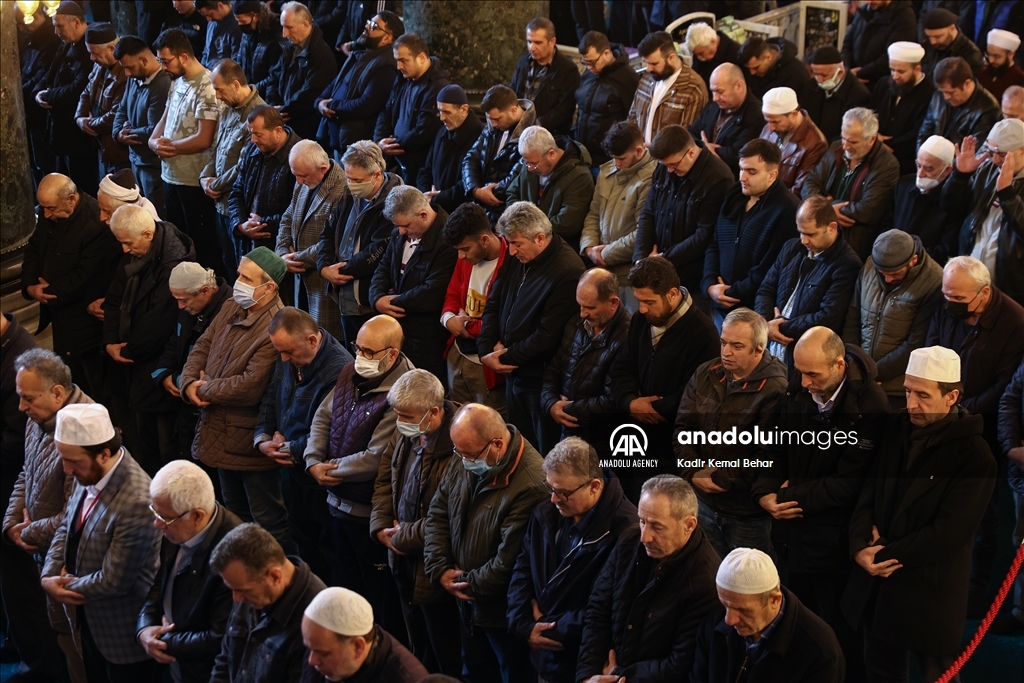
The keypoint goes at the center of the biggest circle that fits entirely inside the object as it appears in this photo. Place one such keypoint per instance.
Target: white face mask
(926, 184)
(368, 368)
(832, 83)
(412, 429)
(361, 190)
(243, 293)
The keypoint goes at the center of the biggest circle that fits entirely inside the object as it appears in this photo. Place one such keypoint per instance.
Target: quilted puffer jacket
(236, 354)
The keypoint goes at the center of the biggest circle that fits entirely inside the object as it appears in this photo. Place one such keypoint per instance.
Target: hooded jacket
(713, 402)
(787, 71)
(489, 161)
(927, 512)
(974, 117)
(478, 523)
(357, 94)
(410, 116)
(566, 198)
(299, 75)
(743, 126)
(870, 34)
(745, 243)
(923, 215)
(870, 193)
(889, 322)
(140, 311)
(680, 215)
(602, 100)
(554, 100)
(442, 168)
(824, 479)
(562, 585)
(800, 154)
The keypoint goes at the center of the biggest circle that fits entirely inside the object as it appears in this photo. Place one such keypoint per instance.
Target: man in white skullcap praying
(1001, 70)
(901, 102)
(104, 555)
(912, 529)
(343, 643)
(801, 142)
(764, 633)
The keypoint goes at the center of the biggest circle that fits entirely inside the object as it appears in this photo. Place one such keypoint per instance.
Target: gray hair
(536, 139)
(186, 485)
(524, 219)
(679, 493)
(131, 219)
(366, 155)
(700, 35)
(404, 200)
(47, 365)
(758, 325)
(110, 44)
(865, 117)
(308, 154)
(416, 391)
(250, 544)
(66, 189)
(300, 11)
(574, 457)
(973, 267)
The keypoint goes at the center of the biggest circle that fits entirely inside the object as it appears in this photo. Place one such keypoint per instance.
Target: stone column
(478, 42)
(123, 17)
(17, 200)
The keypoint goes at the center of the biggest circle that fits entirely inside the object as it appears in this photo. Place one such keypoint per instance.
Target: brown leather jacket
(801, 153)
(98, 103)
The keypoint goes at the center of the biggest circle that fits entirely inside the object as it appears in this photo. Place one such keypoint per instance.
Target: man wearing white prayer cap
(911, 532)
(1001, 71)
(787, 125)
(990, 181)
(901, 102)
(343, 643)
(120, 188)
(765, 633)
(104, 555)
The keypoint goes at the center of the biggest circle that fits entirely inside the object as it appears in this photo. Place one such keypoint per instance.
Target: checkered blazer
(117, 560)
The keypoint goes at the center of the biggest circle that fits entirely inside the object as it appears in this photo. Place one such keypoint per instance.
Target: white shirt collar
(827, 405)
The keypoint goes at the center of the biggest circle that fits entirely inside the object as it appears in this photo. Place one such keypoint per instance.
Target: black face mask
(960, 310)
(248, 29)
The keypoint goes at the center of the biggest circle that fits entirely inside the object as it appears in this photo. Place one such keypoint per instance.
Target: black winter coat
(827, 112)
(410, 116)
(787, 71)
(443, 166)
(186, 332)
(140, 311)
(329, 17)
(528, 308)
(489, 162)
(680, 215)
(194, 26)
(728, 51)
(902, 121)
(922, 215)
(300, 75)
(989, 355)
(77, 256)
(420, 288)
(15, 341)
(36, 50)
(64, 83)
(264, 185)
(357, 95)
(746, 243)
(974, 117)
(743, 126)
(200, 603)
(825, 481)
(826, 287)
(556, 96)
(961, 46)
(602, 100)
(258, 54)
(580, 372)
(801, 649)
(373, 232)
(868, 37)
(1011, 426)
(388, 660)
(926, 516)
(562, 586)
(649, 611)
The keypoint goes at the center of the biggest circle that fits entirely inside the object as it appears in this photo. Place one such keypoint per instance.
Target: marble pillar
(478, 42)
(123, 17)
(17, 220)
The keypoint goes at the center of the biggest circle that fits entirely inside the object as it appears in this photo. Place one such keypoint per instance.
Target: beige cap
(83, 424)
(779, 101)
(748, 572)
(342, 611)
(936, 363)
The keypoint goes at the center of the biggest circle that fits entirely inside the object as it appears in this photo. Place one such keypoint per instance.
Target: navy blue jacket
(746, 243)
(289, 403)
(410, 116)
(562, 586)
(258, 53)
(357, 96)
(296, 79)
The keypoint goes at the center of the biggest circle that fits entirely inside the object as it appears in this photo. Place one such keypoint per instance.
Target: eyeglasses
(372, 25)
(163, 520)
(365, 351)
(164, 62)
(564, 495)
(475, 457)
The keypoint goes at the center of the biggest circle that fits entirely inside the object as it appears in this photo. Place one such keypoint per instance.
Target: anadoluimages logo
(628, 444)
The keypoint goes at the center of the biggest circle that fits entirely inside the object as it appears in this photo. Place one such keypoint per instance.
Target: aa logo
(628, 440)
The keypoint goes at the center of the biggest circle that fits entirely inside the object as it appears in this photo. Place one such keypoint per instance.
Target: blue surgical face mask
(478, 467)
(412, 429)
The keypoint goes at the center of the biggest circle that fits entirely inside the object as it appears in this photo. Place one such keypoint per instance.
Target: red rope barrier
(1004, 590)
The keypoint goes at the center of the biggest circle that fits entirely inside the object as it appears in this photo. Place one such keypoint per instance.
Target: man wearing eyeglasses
(474, 533)
(565, 546)
(186, 612)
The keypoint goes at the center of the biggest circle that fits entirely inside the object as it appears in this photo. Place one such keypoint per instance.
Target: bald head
(381, 331)
(480, 421)
(1013, 103)
(820, 358)
(57, 196)
(597, 294)
(728, 88)
(602, 282)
